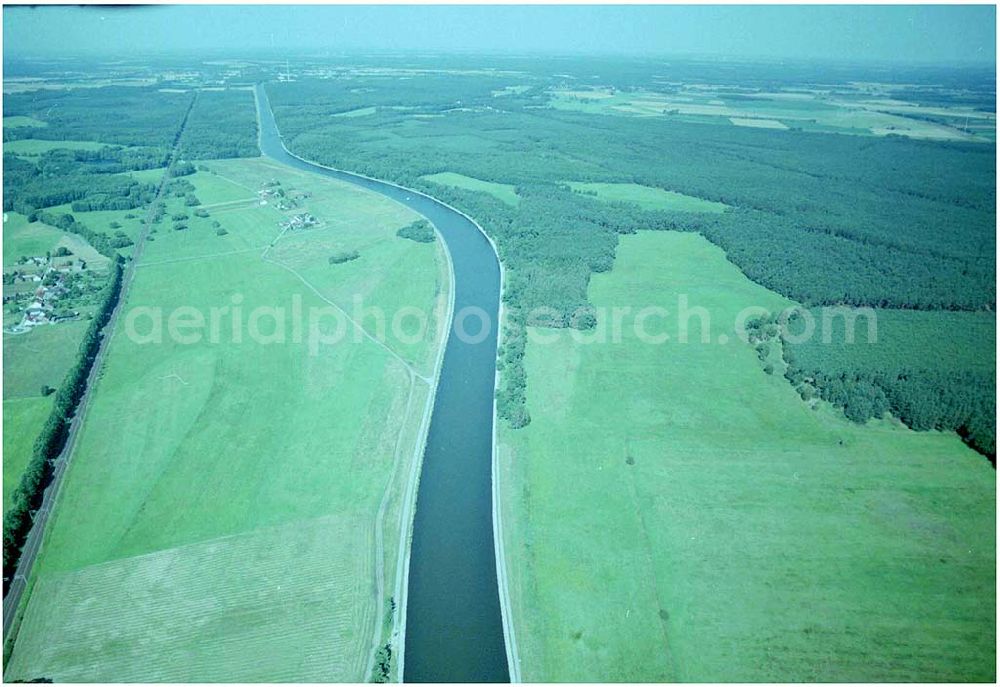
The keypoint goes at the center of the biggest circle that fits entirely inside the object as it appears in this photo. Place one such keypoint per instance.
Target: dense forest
(886, 222)
(821, 218)
(223, 124)
(90, 180)
(122, 115)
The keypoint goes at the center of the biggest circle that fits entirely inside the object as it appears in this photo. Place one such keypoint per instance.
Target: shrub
(344, 256)
(420, 231)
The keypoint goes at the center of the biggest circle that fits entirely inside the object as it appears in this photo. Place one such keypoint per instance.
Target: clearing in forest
(504, 192)
(20, 120)
(757, 123)
(647, 197)
(31, 147)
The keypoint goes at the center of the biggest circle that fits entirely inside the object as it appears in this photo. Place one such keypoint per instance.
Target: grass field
(360, 112)
(40, 357)
(22, 421)
(758, 123)
(19, 120)
(504, 192)
(673, 513)
(647, 197)
(30, 147)
(263, 464)
(21, 239)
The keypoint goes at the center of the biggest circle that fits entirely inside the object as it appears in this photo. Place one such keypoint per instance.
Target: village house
(300, 221)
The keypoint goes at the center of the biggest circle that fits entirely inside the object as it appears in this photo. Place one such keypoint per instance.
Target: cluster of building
(271, 190)
(299, 221)
(292, 200)
(42, 303)
(287, 200)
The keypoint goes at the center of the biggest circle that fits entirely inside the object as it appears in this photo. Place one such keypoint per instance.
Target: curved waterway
(454, 631)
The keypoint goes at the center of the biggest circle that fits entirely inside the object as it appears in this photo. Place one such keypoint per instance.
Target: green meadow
(647, 197)
(504, 192)
(21, 239)
(360, 112)
(22, 420)
(20, 120)
(271, 474)
(30, 147)
(40, 357)
(673, 513)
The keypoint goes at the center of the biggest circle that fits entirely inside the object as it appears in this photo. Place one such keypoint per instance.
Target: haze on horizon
(914, 34)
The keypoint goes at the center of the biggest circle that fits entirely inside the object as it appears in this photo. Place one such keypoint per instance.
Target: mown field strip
(202, 612)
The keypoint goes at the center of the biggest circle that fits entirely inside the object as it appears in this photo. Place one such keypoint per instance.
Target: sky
(925, 33)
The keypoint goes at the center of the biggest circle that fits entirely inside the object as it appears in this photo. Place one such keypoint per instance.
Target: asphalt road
(33, 543)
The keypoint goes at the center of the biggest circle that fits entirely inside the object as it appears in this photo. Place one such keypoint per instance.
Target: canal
(454, 631)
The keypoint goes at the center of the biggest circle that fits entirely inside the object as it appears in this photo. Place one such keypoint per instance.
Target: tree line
(28, 495)
(958, 399)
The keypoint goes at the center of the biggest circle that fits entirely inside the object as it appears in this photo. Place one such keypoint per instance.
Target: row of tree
(90, 180)
(107, 245)
(28, 494)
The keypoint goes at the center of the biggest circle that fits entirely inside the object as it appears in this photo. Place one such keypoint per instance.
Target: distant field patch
(757, 123)
(647, 197)
(504, 192)
(32, 146)
(587, 95)
(510, 90)
(360, 112)
(20, 120)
